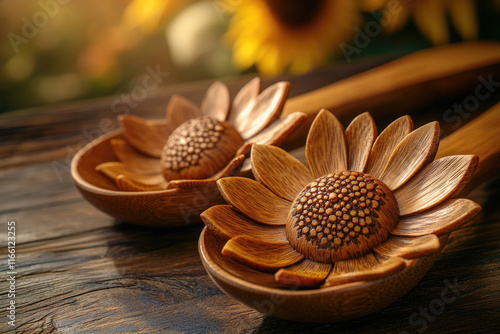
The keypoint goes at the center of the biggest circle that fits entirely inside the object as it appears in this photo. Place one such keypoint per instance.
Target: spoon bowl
(171, 207)
(337, 303)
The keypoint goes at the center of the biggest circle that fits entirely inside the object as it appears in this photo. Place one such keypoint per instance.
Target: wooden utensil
(342, 302)
(403, 84)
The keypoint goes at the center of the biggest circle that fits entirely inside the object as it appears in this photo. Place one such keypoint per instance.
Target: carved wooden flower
(363, 209)
(195, 145)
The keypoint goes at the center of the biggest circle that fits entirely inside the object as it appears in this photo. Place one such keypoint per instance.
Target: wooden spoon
(403, 84)
(348, 300)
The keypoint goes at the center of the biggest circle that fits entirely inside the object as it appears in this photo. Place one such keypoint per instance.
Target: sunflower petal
(412, 154)
(216, 101)
(399, 16)
(133, 158)
(231, 168)
(372, 5)
(125, 183)
(227, 223)
(276, 133)
(267, 108)
(464, 16)
(384, 269)
(254, 200)
(279, 171)
(435, 183)
(430, 18)
(148, 137)
(326, 146)
(243, 103)
(259, 254)
(181, 110)
(306, 273)
(408, 247)
(360, 135)
(385, 144)
(440, 220)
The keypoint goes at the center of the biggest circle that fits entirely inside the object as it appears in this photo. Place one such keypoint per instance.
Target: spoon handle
(406, 83)
(481, 137)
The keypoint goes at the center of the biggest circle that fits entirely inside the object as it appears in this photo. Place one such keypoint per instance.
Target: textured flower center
(199, 148)
(295, 13)
(341, 216)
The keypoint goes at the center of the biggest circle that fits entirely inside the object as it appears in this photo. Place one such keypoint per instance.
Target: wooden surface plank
(79, 271)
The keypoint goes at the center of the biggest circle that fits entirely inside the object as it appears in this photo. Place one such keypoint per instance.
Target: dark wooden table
(80, 271)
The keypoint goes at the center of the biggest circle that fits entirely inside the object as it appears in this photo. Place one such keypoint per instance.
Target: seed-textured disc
(199, 148)
(341, 216)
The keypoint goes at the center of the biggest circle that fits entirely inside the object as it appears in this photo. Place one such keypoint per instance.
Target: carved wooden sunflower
(363, 209)
(195, 146)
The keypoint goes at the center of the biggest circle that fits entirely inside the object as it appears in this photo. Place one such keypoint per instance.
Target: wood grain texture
(439, 180)
(216, 101)
(440, 220)
(147, 136)
(134, 159)
(259, 254)
(180, 110)
(306, 273)
(409, 248)
(265, 109)
(242, 225)
(360, 135)
(83, 272)
(326, 146)
(413, 153)
(282, 173)
(386, 143)
(263, 205)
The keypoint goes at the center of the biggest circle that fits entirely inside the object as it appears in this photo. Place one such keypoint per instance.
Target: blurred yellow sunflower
(430, 16)
(276, 35)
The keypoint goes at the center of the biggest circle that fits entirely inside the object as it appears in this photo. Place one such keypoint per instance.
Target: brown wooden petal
(243, 103)
(385, 144)
(125, 183)
(435, 183)
(384, 269)
(409, 247)
(279, 171)
(267, 108)
(276, 133)
(254, 200)
(230, 169)
(440, 220)
(113, 170)
(361, 263)
(259, 254)
(227, 223)
(216, 101)
(306, 273)
(133, 158)
(326, 146)
(181, 110)
(360, 135)
(412, 154)
(149, 137)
